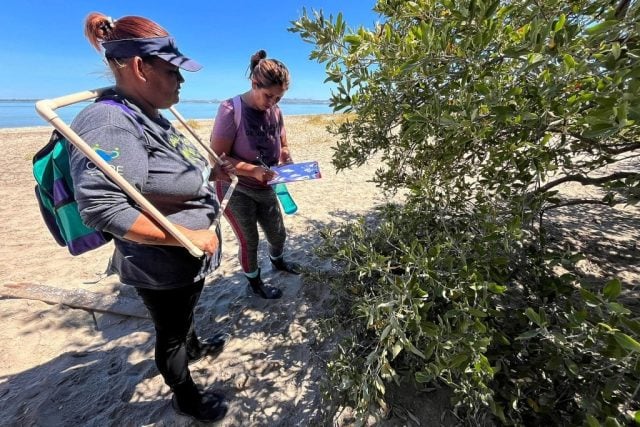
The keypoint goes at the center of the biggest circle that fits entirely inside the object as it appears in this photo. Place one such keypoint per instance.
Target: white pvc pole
(234, 179)
(46, 108)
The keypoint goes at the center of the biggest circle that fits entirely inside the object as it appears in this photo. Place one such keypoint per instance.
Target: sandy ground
(65, 366)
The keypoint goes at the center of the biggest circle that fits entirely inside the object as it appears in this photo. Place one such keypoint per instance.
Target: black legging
(172, 314)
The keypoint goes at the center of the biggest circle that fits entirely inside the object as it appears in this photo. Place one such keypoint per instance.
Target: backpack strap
(237, 111)
(56, 199)
(124, 108)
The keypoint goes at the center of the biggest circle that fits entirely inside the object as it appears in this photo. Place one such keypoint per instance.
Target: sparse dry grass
(328, 119)
(194, 124)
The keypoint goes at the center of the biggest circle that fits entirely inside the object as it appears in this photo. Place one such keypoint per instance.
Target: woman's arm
(222, 140)
(223, 147)
(145, 230)
(285, 153)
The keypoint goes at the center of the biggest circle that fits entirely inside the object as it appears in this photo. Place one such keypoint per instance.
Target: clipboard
(293, 172)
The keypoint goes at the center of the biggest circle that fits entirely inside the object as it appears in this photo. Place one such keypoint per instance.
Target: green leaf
(606, 327)
(459, 360)
(534, 58)
(431, 347)
(612, 289)
(385, 332)
(601, 27)
(483, 365)
(569, 62)
(618, 308)
(423, 377)
(497, 410)
(571, 366)
(592, 421)
(533, 316)
(395, 350)
(589, 296)
(615, 49)
(353, 39)
(414, 350)
(379, 385)
(626, 342)
(560, 23)
(528, 335)
(495, 288)
(477, 313)
(634, 325)
(491, 10)
(600, 130)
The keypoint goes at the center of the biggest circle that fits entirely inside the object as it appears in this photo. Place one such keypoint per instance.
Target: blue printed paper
(296, 172)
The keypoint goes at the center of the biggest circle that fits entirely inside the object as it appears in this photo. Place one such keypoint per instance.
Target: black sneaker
(288, 266)
(209, 407)
(210, 347)
(257, 286)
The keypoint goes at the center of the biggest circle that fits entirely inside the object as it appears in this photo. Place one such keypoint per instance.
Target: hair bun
(261, 54)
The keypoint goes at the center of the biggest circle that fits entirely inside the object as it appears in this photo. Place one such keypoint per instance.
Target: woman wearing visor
(144, 148)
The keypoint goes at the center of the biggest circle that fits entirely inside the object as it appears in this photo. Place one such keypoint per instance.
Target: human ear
(140, 68)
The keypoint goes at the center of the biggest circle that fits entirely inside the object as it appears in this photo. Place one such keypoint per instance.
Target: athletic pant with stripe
(247, 208)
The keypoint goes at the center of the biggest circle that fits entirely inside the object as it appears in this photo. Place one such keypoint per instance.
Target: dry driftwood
(76, 298)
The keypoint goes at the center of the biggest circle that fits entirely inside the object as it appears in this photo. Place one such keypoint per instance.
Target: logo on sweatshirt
(186, 149)
(107, 156)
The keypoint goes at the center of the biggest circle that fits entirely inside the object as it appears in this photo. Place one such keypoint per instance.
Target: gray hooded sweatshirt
(165, 167)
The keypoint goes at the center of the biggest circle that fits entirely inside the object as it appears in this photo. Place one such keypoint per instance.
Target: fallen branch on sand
(76, 298)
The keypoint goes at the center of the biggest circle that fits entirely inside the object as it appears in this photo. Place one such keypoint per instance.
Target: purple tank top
(258, 136)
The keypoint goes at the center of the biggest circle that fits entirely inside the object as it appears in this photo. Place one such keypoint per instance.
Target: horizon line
(210, 101)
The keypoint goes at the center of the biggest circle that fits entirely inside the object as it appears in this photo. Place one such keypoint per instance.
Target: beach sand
(67, 366)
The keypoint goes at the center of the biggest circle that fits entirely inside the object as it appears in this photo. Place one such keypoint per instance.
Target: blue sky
(44, 54)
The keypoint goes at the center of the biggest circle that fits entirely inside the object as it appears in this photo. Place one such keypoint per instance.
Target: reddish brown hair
(268, 72)
(99, 28)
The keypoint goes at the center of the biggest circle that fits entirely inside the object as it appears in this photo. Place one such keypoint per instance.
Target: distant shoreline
(19, 114)
(202, 101)
(202, 122)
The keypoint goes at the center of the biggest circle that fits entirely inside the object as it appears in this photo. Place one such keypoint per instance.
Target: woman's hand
(147, 231)
(263, 174)
(285, 156)
(205, 240)
(223, 172)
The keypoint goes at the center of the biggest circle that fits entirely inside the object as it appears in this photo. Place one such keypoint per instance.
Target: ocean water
(15, 114)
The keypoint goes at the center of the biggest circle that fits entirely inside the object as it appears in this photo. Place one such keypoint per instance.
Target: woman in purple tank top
(253, 143)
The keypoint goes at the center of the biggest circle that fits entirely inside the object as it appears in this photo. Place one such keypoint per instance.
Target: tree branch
(631, 146)
(585, 180)
(622, 8)
(575, 202)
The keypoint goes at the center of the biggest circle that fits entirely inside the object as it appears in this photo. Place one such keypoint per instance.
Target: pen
(264, 165)
(259, 158)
